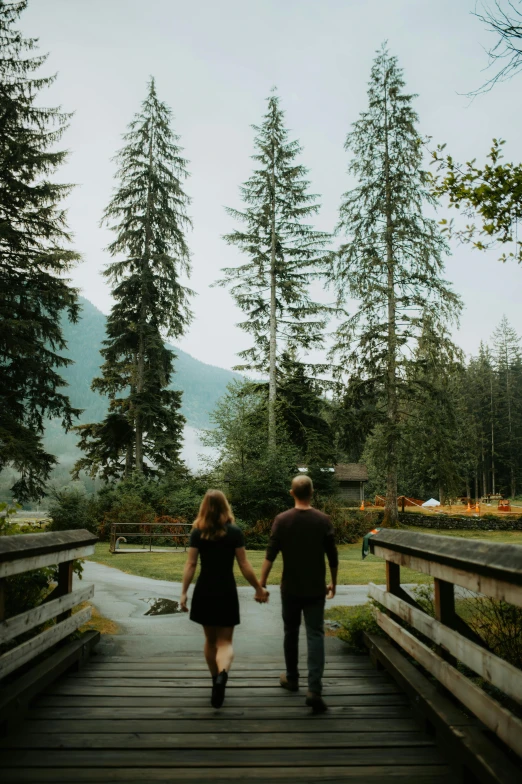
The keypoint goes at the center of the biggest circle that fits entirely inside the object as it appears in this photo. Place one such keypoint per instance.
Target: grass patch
(169, 566)
(98, 622)
(355, 621)
(352, 569)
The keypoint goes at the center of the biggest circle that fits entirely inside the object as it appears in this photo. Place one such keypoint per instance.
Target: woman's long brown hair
(214, 513)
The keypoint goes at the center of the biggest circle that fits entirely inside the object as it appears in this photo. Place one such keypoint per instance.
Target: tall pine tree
(285, 254)
(34, 260)
(392, 260)
(148, 214)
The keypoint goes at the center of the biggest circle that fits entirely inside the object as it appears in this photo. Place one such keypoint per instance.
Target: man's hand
(262, 595)
(330, 591)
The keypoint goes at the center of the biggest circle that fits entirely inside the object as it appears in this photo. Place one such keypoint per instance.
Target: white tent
(431, 502)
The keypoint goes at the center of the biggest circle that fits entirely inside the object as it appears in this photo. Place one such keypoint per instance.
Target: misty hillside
(202, 385)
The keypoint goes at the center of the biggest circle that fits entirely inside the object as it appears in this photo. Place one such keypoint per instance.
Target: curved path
(125, 599)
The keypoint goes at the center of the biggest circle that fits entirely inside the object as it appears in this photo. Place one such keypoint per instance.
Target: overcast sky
(215, 62)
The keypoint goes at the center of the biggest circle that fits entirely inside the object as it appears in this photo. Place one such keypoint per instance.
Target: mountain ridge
(202, 384)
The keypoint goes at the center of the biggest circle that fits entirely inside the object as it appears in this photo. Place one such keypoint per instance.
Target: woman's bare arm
(249, 574)
(188, 574)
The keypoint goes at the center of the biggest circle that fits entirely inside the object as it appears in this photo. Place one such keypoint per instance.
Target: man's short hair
(302, 487)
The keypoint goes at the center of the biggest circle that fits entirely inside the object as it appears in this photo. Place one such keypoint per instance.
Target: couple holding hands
(304, 536)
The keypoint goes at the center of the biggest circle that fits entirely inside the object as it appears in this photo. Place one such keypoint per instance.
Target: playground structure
(472, 507)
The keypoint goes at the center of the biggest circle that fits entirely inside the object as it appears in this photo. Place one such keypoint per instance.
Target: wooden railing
(23, 553)
(179, 533)
(494, 570)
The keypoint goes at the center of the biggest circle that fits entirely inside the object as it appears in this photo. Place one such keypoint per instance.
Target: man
(304, 536)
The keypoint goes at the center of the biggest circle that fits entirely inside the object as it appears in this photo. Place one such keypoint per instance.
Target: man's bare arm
(333, 583)
(265, 571)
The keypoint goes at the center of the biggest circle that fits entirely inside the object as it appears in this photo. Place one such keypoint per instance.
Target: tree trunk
(476, 487)
(272, 378)
(510, 427)
(484, 483)
(492, 439)
(128, 461)
(391, 517)
(143, 315)
(139, 389)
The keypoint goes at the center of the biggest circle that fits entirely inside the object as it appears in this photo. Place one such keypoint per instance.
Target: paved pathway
(124, 598)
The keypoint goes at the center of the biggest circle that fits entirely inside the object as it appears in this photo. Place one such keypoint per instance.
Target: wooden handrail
(484, 567)
(491, 569)
(23, 553)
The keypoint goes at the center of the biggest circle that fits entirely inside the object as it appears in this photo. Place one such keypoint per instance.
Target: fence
(494, 570)
(23, 553)
(177, 532)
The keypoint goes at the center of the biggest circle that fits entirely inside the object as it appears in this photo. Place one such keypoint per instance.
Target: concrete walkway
(125, 599)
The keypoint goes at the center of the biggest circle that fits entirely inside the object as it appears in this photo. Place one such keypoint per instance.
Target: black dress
(215, 601)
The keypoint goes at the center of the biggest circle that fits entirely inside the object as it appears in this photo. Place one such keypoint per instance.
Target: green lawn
(352, 569)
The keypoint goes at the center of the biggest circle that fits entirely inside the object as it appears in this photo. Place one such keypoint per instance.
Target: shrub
(128, 509)
(355, 621)
(349, 525)
(70, 508)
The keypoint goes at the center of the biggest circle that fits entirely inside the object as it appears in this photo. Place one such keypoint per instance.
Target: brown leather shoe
(316, 702)
(289, 685)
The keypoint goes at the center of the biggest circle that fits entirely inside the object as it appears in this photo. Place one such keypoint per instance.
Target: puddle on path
(162, 607)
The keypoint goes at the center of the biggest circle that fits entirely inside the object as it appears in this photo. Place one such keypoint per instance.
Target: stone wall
(439, 522)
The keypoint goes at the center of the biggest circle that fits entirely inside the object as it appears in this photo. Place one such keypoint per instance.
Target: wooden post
(65, 580)
(444, 600)
(393, 578)
(2, 599)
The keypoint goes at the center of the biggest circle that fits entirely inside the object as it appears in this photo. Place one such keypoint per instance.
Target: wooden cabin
(351, 478)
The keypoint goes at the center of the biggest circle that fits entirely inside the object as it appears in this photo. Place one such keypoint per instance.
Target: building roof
(351, 472)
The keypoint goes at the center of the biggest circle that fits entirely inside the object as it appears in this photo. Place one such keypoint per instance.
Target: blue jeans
(313, 611)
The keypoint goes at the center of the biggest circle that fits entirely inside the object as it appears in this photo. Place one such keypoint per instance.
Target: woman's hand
(183, 603)
(262, 595)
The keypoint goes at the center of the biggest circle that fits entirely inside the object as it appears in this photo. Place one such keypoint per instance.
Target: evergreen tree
(34, 261)
(392, 261)
(255, 478)
(148, 215)
(302, 411)
(285, 255)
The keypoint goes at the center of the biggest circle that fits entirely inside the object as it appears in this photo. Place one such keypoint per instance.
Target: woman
(215, 603)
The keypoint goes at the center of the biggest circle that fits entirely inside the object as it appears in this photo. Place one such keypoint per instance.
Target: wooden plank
(488, 559)
(208, 740)
(499, 720)
(9, 568)
(282, 700)
(282, 724)
(490, 667)
(475, 756)
(16, 547)
(198, 664)
(183, 659)
(293, 712)
(16, 696)
(15, 658)
(76, 689)
(359, 774)
(256, 685)
(19, 624)
(489, 586)
(181, 758)
(96, 671)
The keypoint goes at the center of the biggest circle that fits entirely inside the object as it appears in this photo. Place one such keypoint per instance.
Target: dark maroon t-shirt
(304, 537)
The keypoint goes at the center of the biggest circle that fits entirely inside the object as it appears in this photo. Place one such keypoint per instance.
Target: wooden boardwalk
(130, 720)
